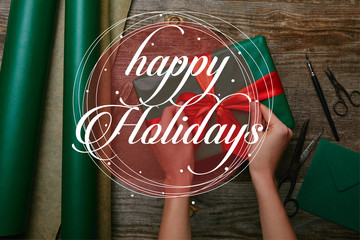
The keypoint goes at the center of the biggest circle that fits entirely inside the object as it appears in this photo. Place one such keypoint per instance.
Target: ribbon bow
(266, 87)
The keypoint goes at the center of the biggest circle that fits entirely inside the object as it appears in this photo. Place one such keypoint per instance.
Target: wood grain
(230, 212)
(4, 14)
(329, 31)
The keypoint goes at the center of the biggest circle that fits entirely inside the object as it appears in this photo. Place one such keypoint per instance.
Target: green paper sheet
(78, 171)
(45, 209)
(331, 187)
(22, 89)
(118, 10)
(112, 11)
(261, 65)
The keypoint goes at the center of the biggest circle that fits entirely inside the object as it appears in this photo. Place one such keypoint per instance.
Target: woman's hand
(275, 223)
(264, 163)
(174, 158)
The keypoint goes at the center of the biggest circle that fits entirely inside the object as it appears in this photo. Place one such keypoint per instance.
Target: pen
(322, 99)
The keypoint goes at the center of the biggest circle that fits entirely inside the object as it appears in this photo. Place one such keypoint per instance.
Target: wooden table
(329, 31)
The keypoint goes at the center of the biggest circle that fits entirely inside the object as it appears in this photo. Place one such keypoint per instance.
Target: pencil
(322, 99)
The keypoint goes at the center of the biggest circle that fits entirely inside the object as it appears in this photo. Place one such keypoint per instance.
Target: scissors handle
(293, 204)
(351, 94)
(338, 105)
(282, 179)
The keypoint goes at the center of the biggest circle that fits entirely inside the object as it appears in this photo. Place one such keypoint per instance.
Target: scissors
(341, 101)
(297, 162)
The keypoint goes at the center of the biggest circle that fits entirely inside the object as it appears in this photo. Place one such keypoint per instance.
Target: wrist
(178, 184)
(179, 179)
(263, 180)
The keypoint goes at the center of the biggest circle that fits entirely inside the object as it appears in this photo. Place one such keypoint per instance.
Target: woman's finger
(182, 123)
(255, 118)
(167, 116)
(275, 123)
(269, 118)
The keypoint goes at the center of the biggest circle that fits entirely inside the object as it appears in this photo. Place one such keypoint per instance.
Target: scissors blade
(332, 80)
(300, 143)
(310, 147)
(331, 74)
(335, 82)
(329, 77)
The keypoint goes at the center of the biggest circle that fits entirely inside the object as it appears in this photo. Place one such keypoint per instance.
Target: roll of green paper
(22, 89)
(78, 220)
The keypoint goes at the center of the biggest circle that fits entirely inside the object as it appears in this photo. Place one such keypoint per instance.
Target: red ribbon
(264, 88)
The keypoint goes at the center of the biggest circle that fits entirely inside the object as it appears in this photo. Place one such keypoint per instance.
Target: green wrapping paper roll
(78, 220)
(22, 89)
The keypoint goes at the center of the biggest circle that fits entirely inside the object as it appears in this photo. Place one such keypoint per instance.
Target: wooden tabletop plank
(329, 32)
(230, 212)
